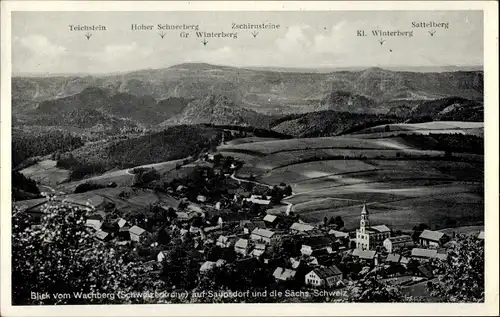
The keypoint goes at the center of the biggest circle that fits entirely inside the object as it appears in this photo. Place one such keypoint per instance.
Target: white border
(490, 307)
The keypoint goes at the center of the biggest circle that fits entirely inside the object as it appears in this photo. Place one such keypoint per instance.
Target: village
(220, 220)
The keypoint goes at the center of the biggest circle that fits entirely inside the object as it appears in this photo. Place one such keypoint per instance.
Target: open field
(268, 147)
(439, 206)
(474, 128)
(46, 173)
(121, 177)
(251, 139)
(403, 185)
(467, 230)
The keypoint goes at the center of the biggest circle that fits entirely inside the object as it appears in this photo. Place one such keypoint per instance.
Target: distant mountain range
(203, 93)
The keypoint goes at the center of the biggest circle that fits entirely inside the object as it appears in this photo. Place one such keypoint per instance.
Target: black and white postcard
(277, 157)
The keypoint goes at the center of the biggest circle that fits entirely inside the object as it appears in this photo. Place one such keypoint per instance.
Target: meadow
(404, 185)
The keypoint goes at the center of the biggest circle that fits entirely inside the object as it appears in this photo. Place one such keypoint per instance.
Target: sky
(42, 42)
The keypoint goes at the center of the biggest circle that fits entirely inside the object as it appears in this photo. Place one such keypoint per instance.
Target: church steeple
(364, 222)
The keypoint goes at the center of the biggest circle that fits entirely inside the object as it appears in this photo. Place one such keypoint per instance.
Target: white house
(432, 238)
(224, 241)
(271, 219)
(258, 250)
(102, 235)
(137, 233)
(94, 223)
(121, 222)
(264, 235)
(338, 234)
(241, 246)
(297, 227)
(324, 276)
(282, 274)
(393, 243)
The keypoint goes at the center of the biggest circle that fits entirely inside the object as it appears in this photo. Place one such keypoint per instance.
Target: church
(368, 237)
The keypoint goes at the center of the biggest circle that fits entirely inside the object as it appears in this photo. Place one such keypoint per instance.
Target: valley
(197, 166)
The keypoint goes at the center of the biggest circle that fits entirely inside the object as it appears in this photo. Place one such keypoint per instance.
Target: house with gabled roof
(433, 238)
(366, 255)
(298, 227)
(225, 241)
(95, 224)
(393, 243)
(338, 234)
(264, 235)
(137, 233)
(102, 235)
(250, 225)
(423, 253)
(315, 244)
(283, 274)
(323, 276)
(242, 246)
(271, 219)
(258, 250)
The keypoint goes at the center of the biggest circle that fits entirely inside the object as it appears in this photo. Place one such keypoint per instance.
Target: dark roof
(251, 225)
(325, 272)
(426, 271)
(400, 239)
(317, 242)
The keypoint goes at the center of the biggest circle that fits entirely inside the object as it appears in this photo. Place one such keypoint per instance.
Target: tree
(339, 222)
(417, 230)
(462, 278)
(62, 256)
(370, 290)
(179, 269)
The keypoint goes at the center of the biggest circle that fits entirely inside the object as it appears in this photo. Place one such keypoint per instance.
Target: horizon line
(299, 69)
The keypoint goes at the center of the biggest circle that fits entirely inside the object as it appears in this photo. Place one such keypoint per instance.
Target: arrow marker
(381, 41)
(88, 35)
(205, 42)
(254, 33)
(431, 32)
(162, 34)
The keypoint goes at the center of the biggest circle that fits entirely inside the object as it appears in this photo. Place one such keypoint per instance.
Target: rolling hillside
(266, 91)
(101, 106)
(218, 110)
(406, 180)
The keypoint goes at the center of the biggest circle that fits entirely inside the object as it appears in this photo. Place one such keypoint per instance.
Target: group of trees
(173, 143)
(62, 256)
(23, 187)
(338, 221)
(448, 143)
(26, 145)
